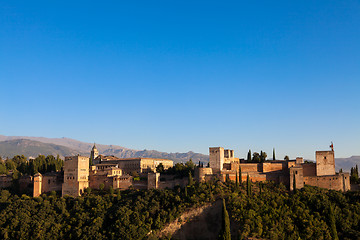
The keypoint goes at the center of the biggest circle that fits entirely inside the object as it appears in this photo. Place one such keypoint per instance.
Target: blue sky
(184, 75)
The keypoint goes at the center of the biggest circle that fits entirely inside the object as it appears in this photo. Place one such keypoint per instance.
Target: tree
(332, 222)
(273, 153)
(354, 174)
(189, 164)
(248, 185)
(256, 157)
(240, 176)
(160, 168)
(236, 181)
(249, 156)
(263, 156)
(286, 158)
(225, 233)
(191, 180)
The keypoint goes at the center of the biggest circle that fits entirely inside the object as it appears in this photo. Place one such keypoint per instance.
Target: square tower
(216, 158)
(325, 163)
(76, 175)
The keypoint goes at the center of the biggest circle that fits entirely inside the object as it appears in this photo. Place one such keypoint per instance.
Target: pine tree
(273, 153)
(225, 233)
(249, 156)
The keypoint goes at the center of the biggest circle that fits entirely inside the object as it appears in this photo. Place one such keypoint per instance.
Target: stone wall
(271, 167)
(339, 182)
(309, 169)
(200, 173)
(250, 167)
(297, 175)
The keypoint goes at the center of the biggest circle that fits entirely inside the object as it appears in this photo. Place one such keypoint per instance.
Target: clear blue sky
(184, 75)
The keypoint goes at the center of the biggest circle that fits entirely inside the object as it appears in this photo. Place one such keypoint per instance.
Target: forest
(259, 210)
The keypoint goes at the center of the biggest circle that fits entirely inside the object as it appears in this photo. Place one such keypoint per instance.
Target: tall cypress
(225, 233)
(240, 176)
(237, 180)
(332, 223)
(273, 153)
(248, 185)
(249, 156)
(191, 180)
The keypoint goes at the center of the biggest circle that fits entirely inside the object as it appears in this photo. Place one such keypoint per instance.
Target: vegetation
(130, 214)
(181, 170)
(225, 233)
(257, 157)
(20, 165)
(273, 153)
(309, 213)
(354, 175)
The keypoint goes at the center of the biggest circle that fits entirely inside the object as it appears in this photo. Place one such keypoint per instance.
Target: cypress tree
(191, 180)
(273, 153)
(249, 156)
(237, 181)
(240, 176)
(225, 233)
(248, 185)
(260, 187)
(332, 223)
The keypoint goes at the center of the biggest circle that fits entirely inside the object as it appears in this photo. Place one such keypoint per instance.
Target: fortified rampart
(292, 173)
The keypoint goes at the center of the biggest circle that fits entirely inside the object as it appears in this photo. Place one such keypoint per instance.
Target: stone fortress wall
(320, 174)
(110, 171)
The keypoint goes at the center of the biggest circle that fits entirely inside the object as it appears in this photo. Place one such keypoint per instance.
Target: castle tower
(94, 153)
(325, 163)
(216, 158)
(37, 185)
(76, 175)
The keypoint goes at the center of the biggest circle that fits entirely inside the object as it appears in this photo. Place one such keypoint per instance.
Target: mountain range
(33, 146)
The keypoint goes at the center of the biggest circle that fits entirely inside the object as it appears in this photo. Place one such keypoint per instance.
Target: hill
(30, 148)
(78, 147)
(347, 163)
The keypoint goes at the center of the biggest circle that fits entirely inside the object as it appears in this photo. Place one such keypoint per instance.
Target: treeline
(354, 175)
(130, 214)
(21, 165)
(272, 212)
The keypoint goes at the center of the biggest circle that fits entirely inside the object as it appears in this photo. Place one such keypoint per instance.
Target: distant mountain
(77, 147)
(347, 163)
(30, 148)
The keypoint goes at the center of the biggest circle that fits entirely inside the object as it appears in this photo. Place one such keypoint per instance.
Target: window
(49, 181)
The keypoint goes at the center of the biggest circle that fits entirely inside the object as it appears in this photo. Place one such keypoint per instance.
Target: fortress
(140, 173)
(224, 165)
